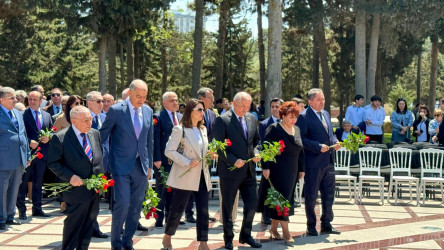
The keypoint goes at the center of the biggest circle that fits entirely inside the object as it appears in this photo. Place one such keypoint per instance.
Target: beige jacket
(191, 151)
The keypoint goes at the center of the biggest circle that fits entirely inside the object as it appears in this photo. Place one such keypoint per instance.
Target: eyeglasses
(10, 98)
(199, 109)
(55, 94)
(437, 115)
(98, 101)
(77, 103)
(84, 120)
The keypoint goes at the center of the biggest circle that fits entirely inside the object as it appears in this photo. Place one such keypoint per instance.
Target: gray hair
(311, 94)
(91, 95)
(78, 110)
(242, 96)
(167, 94)
(6, 90)
(202, 92)
(125, 91)
(137, 84)
(346, 122)
(21, 93)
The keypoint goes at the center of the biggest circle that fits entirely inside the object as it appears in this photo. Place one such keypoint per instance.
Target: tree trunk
(315, 83)
(418, 77)
(433, 73)
(360, 61)
(274, 74)
(223, 18)
(102, 64)
(378, 80)
(197, 52)
(163, 54)
(137, 59)
(129, 60)
(260, 44)
(112, 77)
(122, 68)
(373, 56)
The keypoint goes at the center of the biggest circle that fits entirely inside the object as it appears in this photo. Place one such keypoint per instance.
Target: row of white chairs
(400, 171)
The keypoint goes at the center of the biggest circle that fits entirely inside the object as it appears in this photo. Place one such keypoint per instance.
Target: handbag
(179, 147)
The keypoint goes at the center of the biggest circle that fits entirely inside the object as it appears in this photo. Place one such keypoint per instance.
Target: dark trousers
(189, 208)
(247, 188)
(78, 225)
(180, 199)
(129, 193)
(377, 138)
(9, 186)
(165, 200)
(319, 179)
(37, 170)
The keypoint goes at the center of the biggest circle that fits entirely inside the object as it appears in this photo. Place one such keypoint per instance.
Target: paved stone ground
(366, 226)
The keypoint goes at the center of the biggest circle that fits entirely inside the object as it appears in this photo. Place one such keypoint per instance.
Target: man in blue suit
(317, 136)
(35, 119)
(129, 126)
(167, 118)
(14, 155)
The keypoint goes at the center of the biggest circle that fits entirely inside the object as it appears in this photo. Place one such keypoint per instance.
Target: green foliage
(150, 203)
(276, 200)
(353, 141)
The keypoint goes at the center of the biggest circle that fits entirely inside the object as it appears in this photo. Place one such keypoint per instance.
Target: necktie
(96, 124)
(137, 126)
(57, 110)
(37, 120)
(174, 119)
(87, 147)
(242, 126)
(13, 120)
(323, 121)
(278, 120)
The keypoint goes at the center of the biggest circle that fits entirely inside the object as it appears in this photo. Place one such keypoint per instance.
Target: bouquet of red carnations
(268, 153)
(98, 183)
(150, 203)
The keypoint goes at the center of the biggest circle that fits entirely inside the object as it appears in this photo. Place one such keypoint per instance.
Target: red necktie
(174, 119)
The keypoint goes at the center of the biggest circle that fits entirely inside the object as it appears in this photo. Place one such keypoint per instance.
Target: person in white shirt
(374, 118)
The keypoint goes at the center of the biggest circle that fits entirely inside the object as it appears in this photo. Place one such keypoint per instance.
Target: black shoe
(141, 228)
(22, 216)
(190, 219)
(158, 225)
(116, 248)
(250, 241)
(311, 232)
(11, 222)
(128, 248)
(99, 234)
(211, 219)
(3, 227)
(329, 230)
(40, 214)
(229, 245)
(182, 223)
(266, 221)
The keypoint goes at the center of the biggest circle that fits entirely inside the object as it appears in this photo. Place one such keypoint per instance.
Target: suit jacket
(313, 134)
(124, 145)
(33, 133)
(191, 151)
(67, 158)
(339, 132)
(162, 132)
(209, 118)
(441, 134)
(50, 110)
(105, 144)
(227, 126)
(263, 125)
(14, 146)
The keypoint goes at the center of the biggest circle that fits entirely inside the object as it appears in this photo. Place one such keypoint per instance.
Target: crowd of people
(127, 141)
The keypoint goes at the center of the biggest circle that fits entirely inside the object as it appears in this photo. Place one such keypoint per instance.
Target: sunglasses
(98, 101)
(77, 103)
(55, 94)
(437, 115)
(199, 109)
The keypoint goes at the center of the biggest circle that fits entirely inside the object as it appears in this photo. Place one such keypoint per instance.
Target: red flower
(54, 129)
(279, 153)
(278, 208)
(105, 187)
(280, 213)
(111, 183)
(155, 215)
(38, 149)
(155, 121)
(285, 214)
(281, 149)
(169, 190)
(147, 216)
(285, 209)
(97, 191)
(104, 177)
(228, 142)
(281, 142)
(153, 209)
(39, 155)
(366, 139)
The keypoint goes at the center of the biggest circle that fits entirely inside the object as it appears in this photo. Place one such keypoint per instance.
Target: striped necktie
(87, 147)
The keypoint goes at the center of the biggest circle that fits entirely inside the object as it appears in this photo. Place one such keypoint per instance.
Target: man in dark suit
(56, 106)
(317, 136)
(75, 153)
(35, 120)
(345, 130)
(167, 118)
(129, 126)
(14, 155)
(240, 127)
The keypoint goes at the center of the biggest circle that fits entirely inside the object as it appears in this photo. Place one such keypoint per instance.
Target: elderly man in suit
(14, 155)
(317, 136)
(345, 130)
(75, 153)
(167, 118)
(129, 126)
(239, 126)
(35, 120)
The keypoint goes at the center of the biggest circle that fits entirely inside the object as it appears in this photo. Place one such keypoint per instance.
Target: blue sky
(212, 22)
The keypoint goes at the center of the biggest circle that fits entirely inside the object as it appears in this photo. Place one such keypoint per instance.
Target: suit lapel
(92, 143)
(27, 116)
(191, 137)
(129, 120)
(237, 124)
(76, 143)
(316, 118)
(165, 116)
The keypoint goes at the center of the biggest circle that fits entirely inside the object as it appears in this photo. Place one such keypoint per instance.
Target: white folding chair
(342, 165)
(370, 162)
(214, 179)
(298, 191)
(400, 163)
(152, 181)
(431, 170)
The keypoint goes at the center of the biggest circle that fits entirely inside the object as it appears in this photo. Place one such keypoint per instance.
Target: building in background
(184, 22)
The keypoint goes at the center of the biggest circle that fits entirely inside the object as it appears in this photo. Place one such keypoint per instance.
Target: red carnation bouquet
(276, 200)
(213, 147)
(47, 132)
(98, 183)
(268, 153)
(150, 203)
(36, 154)
(164, 178)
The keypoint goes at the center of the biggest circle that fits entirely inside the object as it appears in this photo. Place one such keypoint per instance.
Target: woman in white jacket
(187, 145)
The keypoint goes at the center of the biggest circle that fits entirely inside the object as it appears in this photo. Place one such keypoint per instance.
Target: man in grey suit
(14, 155)
(129, 126)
